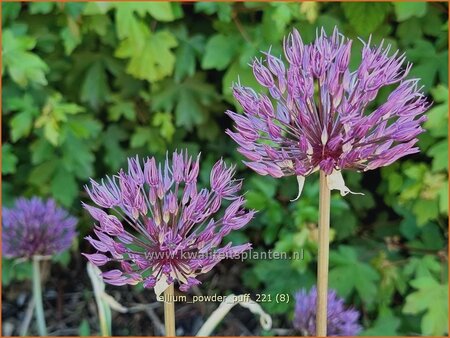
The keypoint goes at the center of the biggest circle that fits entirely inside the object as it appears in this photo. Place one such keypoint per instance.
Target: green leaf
(74, 9)
(191, 100)
(219, 52)
(410, 31)
(23, 66)
(64, 187)
(426, 266)
(147, 136)
(255, 200)
(9, 160)
(440, 93)
(279, 277)
(345, 263)
(431, 238)
(274, 215)
(406, 10)
(386, 324)
(78, 157)
(84, 127)
(237, 238)
(282, 15)
(95, 8)
(41, 7)
(41, 150)
(10, 10)
(188, 49)
(244, 74)
(99, 24)
(115, 155)
(71, 36)
(121, 108)
(266, 185)
(222, 9)
(433, 22)
(95, 89)
(408, 226)
(425, 210)
(22, 122)
(439, 152)
(152, 58)
(365, 17)
(428, 63)
(150, 53)
(62, 258)
(21, 125)
(140, 137)
(42, 173)
(127, 25)
(189, 112)
(392, 279)
(51, 131)
(443, 199)
(165, 124)
(15, 270)
(328, 22)
(53, 115)
(431, 297)
(83, 329)
(161, 11)
(437, 116)
(7, 272)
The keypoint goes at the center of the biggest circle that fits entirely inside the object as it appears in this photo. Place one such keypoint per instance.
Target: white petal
(286, 164)
(346, 128)
(347, 147)
(301, 182)
(324, 137)
(309, 151)
(335, 181)
(161, 285)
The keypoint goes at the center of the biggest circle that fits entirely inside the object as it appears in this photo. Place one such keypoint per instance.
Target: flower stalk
(323, 257)
(169, 311)
(37, 294)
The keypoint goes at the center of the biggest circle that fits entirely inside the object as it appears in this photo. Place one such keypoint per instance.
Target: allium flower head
(36, 227)
(160, 226)
(318, 114)
(341, 321)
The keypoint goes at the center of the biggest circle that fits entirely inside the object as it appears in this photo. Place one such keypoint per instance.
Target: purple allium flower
(36, 227)
(318, 114)
(341, 321)
(161, 228)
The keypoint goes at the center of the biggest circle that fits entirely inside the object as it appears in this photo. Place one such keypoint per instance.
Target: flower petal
(335, 181)
(161, 285)
(301, 182)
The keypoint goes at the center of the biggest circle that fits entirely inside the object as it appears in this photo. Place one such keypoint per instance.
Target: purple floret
(318, 114)
(341, 321)
(160, 227)
(36, 227)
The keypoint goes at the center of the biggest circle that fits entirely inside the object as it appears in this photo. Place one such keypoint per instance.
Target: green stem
(37, 294)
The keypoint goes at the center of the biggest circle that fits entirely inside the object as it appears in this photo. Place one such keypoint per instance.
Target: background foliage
(87, 84)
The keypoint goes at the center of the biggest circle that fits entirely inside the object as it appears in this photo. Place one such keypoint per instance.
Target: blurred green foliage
(87, 84)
